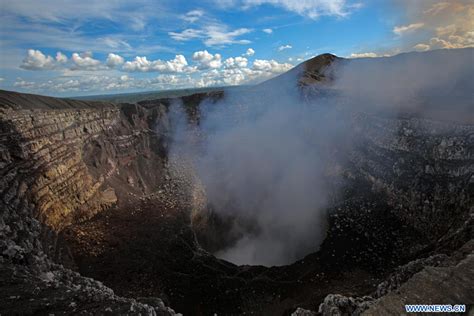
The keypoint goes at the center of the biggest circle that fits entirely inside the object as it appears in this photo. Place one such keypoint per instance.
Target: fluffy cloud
(421, 47)
(101, 83)
(206, 60)
(142, 64)
(236, 71)
(232, 77)
(446, 24)
(85, 61)
(36, 60)
(114, 60)
(283, 47)
(235, 74)
(400, 30)
(213, 35)
(212, 70)
(237, 62)
(452, 41)
(270, 66)
(61, 58)
(240, 74)
(249, 52)
(268, 31)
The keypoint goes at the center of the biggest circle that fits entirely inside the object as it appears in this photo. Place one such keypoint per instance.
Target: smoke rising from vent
(267, 168)
(262, 161)
(269, 159)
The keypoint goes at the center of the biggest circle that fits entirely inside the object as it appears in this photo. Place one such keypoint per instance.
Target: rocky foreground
(96, 218)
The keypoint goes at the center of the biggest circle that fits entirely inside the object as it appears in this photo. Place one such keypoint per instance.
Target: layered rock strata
(49, 180)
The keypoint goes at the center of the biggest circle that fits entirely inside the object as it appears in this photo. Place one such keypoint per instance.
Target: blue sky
(72, 47)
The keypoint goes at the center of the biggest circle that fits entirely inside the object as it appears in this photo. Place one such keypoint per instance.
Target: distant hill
(152, 95)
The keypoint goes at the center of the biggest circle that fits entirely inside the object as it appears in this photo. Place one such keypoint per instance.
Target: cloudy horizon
(64, 48)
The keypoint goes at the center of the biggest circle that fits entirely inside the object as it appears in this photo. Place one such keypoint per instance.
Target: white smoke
(267, 157)
(263, 160)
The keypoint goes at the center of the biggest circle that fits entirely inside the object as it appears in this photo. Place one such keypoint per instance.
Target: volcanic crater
(105, 210)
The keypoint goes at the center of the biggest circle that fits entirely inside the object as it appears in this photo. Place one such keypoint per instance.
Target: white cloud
(436, 8)
(206, 60)
(85, 61)
(421, 47)
(400, 30)
(249, 52)
(36, 60)
(446, 24)
(309, 8)
(54, 11)
(142, 64)
(237, 62)
(218, 36)
(186, 35)
(65, 25)
(166, 80)
(270, 66)
(212, 35)
(103, 83)
(115, 43)
(114, 60)
(193, 16)
(283, 47)
(235, 71)
(233, 77)
(268, 31)
(20, 83)
(61, 58)
(363, 55)
(438, 42)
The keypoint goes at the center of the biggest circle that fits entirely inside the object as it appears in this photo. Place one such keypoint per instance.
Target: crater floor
(146, 247)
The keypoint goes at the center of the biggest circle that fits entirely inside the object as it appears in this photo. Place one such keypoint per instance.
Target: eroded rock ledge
(46, 184)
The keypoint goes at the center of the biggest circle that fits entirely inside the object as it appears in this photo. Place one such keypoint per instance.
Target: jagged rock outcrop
(425, 167)
(437, 279)
(335, 304)
(448, 282)
(47, 183)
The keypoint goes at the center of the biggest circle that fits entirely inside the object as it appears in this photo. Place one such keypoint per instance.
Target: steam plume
(267, 156)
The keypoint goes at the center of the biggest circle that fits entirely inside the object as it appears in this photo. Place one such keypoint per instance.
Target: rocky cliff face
(424, 166)
(59, 161)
